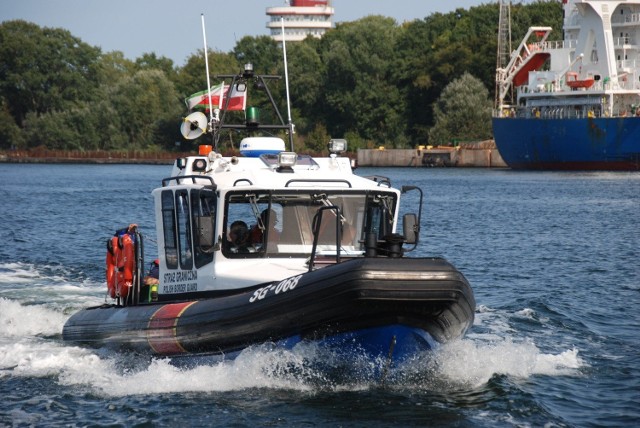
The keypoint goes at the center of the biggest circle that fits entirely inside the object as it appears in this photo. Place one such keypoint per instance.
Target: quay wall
(478, 156)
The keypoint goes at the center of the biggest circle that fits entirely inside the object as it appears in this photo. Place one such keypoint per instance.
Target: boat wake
(473, 364)
(30, 346)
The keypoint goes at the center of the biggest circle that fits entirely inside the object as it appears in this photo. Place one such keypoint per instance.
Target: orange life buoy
(112, 269)
(126, 266)
(120, 265)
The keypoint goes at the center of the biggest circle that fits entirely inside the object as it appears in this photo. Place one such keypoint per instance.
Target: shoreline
(464, 156)
(88, 161)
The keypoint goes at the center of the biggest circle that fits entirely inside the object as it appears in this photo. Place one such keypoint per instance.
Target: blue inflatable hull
(394, 342)
(569, 144)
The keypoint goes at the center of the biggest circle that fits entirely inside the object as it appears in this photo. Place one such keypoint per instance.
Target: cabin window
(184, 229)
(169, 230)
(253, 224)
(280, 224)
(203, 204)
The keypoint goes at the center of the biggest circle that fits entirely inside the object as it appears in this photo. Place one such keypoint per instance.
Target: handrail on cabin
(301, 180)
(178, 178)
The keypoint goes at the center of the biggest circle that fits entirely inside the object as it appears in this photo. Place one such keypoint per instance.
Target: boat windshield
(277, 224)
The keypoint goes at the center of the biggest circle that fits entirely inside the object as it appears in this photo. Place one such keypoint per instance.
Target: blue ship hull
(569, 144)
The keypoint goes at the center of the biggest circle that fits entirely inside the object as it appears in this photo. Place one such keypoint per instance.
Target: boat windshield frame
(279, 223)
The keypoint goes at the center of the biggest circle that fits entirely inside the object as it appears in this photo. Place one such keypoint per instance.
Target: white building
(301, 18)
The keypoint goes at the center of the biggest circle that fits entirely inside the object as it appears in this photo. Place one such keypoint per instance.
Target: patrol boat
(274, 246)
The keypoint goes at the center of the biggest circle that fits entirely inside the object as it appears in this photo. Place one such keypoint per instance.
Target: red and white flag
(200, 100)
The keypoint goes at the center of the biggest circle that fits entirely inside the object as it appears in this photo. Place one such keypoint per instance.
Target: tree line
(372, 81)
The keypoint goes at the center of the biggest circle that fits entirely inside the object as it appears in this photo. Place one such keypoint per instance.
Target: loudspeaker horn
(194, 125)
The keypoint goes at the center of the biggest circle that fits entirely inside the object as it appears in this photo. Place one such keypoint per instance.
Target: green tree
(463, 112)
(144, 103)
(306, 72)
(371, 80)
(150, 61)
(111, 67)
(44, 69)
(192, 77)
(74, 128)
(438, 49)
(11, 135)
(261, 51)
(360, 92)
(317, 139)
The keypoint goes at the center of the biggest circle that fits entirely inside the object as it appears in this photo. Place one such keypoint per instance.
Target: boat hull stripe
(161, 333)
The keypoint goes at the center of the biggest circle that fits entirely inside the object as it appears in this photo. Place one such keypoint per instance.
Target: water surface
(552, 257)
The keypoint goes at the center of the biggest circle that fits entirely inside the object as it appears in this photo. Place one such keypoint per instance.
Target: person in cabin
(267, 223)
(239, 237)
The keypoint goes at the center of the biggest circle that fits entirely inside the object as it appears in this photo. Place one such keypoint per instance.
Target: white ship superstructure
(594, 70)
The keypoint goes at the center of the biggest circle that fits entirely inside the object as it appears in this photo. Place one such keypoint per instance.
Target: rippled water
(553, 259)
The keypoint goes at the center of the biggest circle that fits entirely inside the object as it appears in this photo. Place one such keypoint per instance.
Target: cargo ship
(572, 104)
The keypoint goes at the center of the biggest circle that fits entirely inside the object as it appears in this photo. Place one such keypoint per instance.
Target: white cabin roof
(250, 172)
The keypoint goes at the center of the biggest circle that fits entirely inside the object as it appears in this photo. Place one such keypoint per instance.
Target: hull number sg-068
(282, 287)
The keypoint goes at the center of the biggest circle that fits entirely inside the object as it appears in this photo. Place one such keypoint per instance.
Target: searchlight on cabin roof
(287, 159)
(337, 146)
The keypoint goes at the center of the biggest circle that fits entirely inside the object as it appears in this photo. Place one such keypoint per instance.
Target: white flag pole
(221, 98)
(206, 64)
(286, 83)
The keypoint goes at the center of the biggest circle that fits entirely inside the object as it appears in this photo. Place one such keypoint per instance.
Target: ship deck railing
(627, 19)
(548, 45)
(561, 113)
(630, 18)
(626, 42)
(628, 81)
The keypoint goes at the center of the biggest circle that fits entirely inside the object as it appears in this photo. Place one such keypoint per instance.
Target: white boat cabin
(225, 223)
